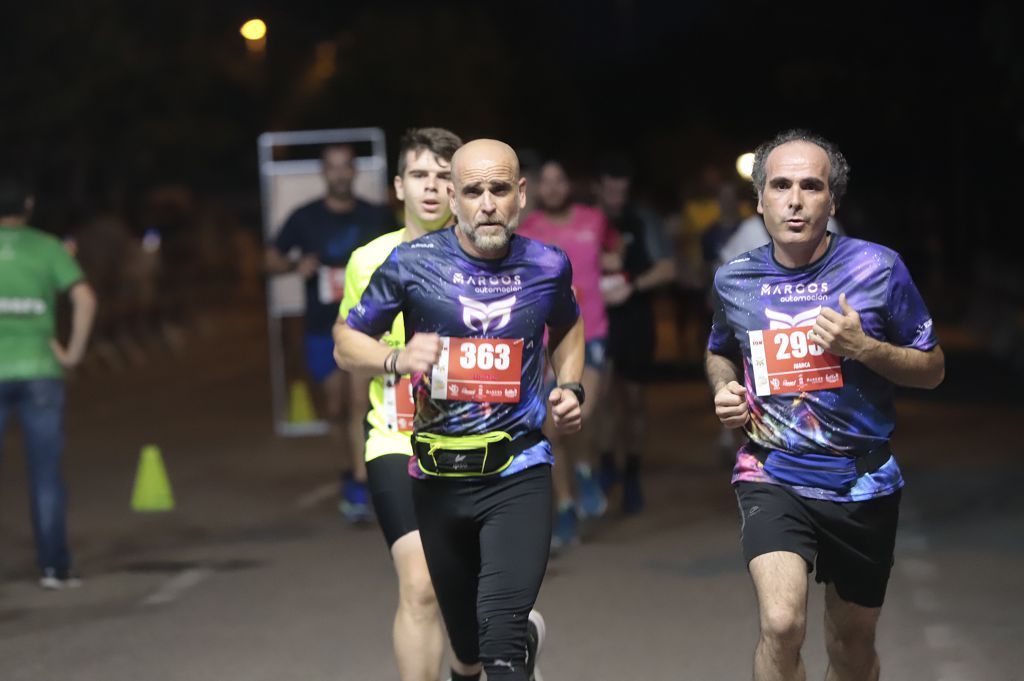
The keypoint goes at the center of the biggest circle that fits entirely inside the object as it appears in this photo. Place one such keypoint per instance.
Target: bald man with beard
(477, 300)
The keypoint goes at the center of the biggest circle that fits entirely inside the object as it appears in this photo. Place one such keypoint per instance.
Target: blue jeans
(39, 404)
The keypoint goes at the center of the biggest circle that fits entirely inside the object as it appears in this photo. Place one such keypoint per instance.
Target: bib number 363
(478, 370)
(786, 361)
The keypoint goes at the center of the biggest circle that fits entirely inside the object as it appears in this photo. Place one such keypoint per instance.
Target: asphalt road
(254, 576)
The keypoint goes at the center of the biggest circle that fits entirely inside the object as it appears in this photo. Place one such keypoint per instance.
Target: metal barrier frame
(269, 169)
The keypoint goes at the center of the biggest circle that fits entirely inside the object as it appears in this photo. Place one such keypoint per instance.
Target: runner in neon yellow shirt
(424, 173)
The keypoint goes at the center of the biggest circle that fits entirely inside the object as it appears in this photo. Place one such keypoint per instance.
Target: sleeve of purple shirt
(721, 341)
(382, 300)
(564, 311)
(909, 324)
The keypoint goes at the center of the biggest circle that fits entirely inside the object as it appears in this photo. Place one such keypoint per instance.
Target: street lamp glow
(254, 29)
(745, 165)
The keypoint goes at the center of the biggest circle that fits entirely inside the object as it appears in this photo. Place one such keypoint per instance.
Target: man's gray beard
(488, 243)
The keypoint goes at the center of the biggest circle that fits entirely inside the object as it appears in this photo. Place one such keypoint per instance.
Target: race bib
(785, 361)
(478, 370)
(399, 407)
(332, 284)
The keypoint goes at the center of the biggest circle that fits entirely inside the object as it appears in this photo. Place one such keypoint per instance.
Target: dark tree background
(104, 99)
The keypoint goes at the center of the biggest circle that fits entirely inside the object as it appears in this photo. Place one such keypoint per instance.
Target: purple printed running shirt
(754, 292)
(439, 288)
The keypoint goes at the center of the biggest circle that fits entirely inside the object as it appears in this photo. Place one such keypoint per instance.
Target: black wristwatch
(577, 389)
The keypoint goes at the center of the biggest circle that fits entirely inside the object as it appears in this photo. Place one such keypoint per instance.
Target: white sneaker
(536, 630)
(56, 581)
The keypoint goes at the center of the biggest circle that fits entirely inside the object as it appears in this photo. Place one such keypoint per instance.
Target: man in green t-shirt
(424, 173)
(34, 268)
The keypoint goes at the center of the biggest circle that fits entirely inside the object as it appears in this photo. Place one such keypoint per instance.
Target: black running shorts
(848, 544)
(391, 490)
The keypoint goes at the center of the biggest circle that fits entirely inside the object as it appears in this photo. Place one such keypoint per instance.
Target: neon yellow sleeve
(361, 266)
(355, 284)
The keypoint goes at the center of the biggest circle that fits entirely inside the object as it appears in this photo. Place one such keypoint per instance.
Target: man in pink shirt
(592, 246)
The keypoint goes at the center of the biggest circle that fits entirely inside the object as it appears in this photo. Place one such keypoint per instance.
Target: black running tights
(487, 541)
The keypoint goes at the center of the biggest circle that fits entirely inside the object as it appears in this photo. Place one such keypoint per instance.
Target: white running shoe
(535, 632)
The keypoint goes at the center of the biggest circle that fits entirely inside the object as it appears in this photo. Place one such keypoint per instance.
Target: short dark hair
(553, 161)
(438, 141)
(14, 194)
(839, 169)
(337, 147)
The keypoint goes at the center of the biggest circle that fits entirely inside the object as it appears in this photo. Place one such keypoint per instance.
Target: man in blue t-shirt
(824, 326)
(324, 233)
(476, 300)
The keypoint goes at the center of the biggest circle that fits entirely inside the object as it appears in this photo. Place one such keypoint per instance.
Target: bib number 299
(795, 345)
(485, 356)
(785, 361)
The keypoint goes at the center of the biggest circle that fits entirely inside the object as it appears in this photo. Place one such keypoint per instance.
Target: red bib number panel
(785, 361)
(399, 407)
(478, 370)
(331, 284)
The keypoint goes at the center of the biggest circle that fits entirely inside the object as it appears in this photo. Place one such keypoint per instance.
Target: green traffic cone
(300, 407)
(152, 490)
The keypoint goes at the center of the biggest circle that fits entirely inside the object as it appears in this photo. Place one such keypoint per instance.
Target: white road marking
(174, 587)
(914, 542)
(953, 671)
(317, 496)
(925, 600)
(919, 569)
(940, 636)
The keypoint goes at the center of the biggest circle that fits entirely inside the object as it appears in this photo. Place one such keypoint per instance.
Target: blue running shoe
(355, 501)
(565, 532)
(590, 500)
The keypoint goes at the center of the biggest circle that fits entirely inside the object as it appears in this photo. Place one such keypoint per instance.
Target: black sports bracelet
(391, 363)
(577, 389)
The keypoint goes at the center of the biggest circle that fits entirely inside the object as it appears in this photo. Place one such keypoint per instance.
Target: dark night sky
(109, 97)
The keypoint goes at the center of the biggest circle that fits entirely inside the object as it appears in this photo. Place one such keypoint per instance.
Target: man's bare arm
(730, 396)
(83, 314)
(661, 273)
(568, 352)
(276, 262)
(359, 353)
(907, 367)
(841, 333)
(720, 370)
